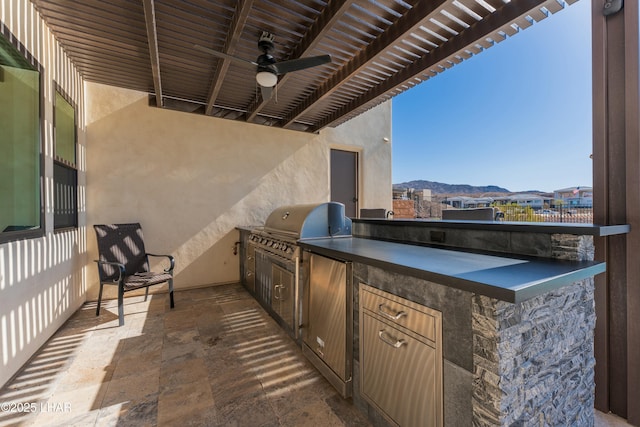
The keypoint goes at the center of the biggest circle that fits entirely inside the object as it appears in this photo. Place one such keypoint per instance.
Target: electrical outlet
(436, 236)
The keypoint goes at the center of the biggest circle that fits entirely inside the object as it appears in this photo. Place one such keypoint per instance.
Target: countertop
(504, 277)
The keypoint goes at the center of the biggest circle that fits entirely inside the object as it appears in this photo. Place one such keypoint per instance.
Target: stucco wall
(191, 179)
(42, 281)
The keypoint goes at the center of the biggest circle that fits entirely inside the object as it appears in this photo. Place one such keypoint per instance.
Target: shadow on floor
(216, 359)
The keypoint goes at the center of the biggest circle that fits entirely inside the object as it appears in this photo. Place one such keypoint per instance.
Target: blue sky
(517, 115)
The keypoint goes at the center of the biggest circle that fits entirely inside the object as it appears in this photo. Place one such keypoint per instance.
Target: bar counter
(507, 278)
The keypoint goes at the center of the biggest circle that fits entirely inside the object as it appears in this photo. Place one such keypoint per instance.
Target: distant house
(575, 197)
(417, 196)
(463, 202)
(400, 194)
(533, 201)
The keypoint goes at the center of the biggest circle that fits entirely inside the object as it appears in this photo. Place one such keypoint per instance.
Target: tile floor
(217, 359)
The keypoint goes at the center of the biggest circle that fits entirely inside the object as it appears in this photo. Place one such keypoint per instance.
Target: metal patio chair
(124, 262)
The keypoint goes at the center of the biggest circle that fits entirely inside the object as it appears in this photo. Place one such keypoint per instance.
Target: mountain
(441, 188)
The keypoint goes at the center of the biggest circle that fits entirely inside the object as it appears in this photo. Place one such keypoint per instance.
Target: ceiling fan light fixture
(266, 78)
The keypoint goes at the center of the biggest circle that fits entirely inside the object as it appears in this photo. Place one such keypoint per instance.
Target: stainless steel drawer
(401, 358)
(400, 311)
(400, 375)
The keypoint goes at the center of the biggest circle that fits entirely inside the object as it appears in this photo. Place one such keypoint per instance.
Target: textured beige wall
(191, 179)
(42, 281)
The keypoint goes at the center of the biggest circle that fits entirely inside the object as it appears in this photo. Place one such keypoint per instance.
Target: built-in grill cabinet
(401, 358)
(328, 321)
(274, 267)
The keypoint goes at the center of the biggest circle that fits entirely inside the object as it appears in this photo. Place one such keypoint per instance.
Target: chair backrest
(121, 243)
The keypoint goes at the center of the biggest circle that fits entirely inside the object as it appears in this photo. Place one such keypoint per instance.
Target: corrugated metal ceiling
(379, 48)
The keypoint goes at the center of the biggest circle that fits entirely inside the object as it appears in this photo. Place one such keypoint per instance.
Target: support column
(616, 175)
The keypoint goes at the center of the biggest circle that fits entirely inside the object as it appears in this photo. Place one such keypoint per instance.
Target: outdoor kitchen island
(517, 322)
(517, 313)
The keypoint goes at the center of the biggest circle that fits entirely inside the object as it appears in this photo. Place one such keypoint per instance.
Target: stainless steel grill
(288, 224)
(280, 269)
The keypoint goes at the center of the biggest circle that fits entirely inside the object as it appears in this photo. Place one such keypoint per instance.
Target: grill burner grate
(287, 249)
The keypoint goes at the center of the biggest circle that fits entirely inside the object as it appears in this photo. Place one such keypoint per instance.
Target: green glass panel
(20, 201)
(65, 130)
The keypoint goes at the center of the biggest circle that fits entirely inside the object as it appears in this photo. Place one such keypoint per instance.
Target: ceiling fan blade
(300, 63)
(266, 92)
(212, 52)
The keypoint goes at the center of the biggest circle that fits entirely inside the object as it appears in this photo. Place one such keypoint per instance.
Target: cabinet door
(282, 294)
(327, 335)
(399, 374)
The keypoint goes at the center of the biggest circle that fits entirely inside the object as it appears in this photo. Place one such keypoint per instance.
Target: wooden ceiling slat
(115, 10)
(188, 11)
(171, 36)
(152, 37)
(523, 22)
(78, 32)
(537, 14)
(299, 16)
(133, 65)
(510, 12)
(553, 6)
(496, 4)
(132, 29)
(475, 7)
(402, 28)
(88, 46)
(103, 75)
(453, 24)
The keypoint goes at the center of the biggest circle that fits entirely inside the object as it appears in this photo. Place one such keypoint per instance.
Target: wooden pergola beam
(616, 200)
(152, 37)
(243, 7)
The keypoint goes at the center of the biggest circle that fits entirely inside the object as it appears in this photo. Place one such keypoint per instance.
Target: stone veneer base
(533, 361)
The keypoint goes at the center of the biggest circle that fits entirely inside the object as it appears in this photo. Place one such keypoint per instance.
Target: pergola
(379, 48)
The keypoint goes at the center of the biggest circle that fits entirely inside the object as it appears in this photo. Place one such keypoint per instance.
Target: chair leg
(171, 293)
(99, 300)
(146, 293)
(121, 304)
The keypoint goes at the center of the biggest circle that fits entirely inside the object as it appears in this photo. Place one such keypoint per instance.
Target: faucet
(389, 213)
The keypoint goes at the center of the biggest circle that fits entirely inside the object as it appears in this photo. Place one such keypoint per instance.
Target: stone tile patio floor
(216, 359)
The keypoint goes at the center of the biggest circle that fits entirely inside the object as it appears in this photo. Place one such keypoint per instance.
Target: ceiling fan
(267, 68)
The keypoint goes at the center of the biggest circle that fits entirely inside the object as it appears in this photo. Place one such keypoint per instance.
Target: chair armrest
(169, 257)
(117, 264)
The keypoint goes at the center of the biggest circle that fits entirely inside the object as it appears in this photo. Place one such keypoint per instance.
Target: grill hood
(309, 221)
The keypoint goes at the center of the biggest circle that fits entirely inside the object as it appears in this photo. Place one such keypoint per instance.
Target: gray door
(344, 180)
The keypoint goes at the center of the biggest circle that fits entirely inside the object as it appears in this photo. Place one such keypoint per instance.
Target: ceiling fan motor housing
(265, 43)
(265, 61)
